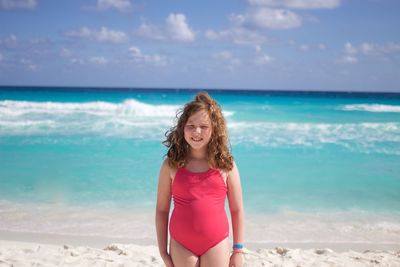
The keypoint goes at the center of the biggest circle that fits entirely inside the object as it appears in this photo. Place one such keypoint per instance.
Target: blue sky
(341, 45)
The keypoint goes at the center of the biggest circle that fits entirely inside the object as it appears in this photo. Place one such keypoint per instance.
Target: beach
(57, 235)
(60, 235)
(113, 244)
(17, 253)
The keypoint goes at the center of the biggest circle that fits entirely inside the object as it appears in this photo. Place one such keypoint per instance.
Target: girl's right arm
(162, 211)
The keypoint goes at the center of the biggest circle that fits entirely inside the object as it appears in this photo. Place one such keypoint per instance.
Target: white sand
(18, 254)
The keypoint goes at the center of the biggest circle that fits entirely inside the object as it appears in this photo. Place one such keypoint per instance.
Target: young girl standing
(198, 174)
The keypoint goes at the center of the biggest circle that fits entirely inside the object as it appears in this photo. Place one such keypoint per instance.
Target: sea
(315, 167)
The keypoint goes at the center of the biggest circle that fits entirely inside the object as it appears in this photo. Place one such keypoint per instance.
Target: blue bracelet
(238, 246)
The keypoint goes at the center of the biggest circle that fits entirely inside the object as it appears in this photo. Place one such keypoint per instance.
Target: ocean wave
(383, 138)
(371, 108)
(129, 107)
(135, 119)
(311, 133)
(130, 118)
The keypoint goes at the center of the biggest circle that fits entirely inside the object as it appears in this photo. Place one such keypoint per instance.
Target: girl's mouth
(197, 139)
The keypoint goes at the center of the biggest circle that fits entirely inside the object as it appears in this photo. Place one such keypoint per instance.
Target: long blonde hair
(218, 151)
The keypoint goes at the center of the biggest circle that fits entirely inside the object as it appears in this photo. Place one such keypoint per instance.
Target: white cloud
(121, 5)
(212, 35)
(151, 32)
(379, 49)
(99, 60)
(349, 59)
(263, 59)
(269, 18)
(14, 4)
(237, 20)
(77, 61)
(178, 28)
(349, 49)
(101, 5)
(64, 52)
(84, 32)
(307, 47)
(224, 55)
(102, 35)
(229, 61)
(29, 64)
(9, 42)
(106, 35)
(368, 49)
(390, 48)
(349, 52)
(157, 60)
(304, 47)
(300, 4)
(237, 35)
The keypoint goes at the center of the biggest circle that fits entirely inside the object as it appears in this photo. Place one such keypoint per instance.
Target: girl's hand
(236, 260)
(167, 260)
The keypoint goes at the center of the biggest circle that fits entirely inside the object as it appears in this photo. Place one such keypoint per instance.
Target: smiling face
(198, 130)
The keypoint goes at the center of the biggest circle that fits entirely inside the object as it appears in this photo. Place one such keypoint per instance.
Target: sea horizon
(192, 89)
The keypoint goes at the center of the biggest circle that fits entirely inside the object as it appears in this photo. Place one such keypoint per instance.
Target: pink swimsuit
(198, 221)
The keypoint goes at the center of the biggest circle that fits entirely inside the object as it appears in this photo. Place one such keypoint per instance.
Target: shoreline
(95, 227)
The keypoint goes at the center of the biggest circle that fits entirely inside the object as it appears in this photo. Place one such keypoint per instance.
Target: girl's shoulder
(227, 173)
(169, 169)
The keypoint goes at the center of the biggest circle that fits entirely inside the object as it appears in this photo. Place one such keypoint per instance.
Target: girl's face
(198, 130)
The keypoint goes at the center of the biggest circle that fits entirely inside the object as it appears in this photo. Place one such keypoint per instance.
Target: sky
(325, 45)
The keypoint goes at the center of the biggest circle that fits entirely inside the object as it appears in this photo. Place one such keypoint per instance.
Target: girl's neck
(197, 155)
(197, 162)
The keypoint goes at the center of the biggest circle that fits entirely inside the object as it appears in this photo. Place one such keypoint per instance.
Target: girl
(198, 173)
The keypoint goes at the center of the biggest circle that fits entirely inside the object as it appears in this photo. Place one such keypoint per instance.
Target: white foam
(371, 108)
(130, 118)
(129, 107)
(309, 134)
(135, 119)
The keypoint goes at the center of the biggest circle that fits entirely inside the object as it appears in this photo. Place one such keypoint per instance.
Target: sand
(16, 253)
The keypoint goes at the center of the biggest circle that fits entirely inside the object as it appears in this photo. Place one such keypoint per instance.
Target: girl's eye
(190, 126)
(204, 127)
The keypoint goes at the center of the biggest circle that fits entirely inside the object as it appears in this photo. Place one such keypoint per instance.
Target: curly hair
(218, 152)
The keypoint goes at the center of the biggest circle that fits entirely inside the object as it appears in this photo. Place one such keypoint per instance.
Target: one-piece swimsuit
(198, 221)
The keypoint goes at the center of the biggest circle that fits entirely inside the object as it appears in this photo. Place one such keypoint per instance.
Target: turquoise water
(298, 154)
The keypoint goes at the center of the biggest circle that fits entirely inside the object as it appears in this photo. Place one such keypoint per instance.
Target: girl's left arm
(235, 199)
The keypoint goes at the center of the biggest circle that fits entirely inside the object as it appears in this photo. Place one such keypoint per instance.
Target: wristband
(237, 246)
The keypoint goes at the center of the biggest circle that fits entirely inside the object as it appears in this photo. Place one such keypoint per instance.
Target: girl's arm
(237, 214)
(235, 199)
(163, 207)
